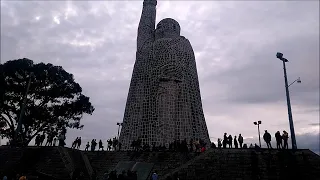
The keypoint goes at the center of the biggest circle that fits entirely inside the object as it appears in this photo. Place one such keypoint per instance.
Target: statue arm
(147, 23)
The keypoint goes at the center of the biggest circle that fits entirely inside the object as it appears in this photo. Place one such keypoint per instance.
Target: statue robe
(164, 102)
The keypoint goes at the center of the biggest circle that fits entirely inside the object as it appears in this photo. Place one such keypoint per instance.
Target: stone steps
(248, 164)
(214, 164)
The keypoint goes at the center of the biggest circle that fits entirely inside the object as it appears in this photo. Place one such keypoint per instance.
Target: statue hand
(150, 2)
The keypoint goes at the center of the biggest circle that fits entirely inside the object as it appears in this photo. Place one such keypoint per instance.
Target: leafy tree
(54, 101)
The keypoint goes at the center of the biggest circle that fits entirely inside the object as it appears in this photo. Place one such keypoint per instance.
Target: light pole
(119, 124)
(293, 136)
(258, 123)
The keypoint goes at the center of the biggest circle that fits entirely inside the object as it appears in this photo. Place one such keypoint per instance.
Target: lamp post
(258, 123)
(293, 136)
(119, 124)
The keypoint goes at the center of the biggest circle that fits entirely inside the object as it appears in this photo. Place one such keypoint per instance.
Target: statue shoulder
(186, 43)
(182, 38)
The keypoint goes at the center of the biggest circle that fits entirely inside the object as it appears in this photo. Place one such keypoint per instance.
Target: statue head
(167, 28)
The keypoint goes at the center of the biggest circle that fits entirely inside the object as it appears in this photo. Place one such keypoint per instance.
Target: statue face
(167, 28)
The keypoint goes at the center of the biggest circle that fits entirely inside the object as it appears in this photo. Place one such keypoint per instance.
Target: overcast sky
(235, 45)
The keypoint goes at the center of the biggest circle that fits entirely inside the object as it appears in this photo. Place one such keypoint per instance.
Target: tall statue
(164, 102)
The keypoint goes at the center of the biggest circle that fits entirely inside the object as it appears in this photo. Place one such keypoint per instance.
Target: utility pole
(258, 123)
(293, 136)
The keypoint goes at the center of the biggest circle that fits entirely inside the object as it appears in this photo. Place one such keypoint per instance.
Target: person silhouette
(87, 147)
(278, 139)
(240, 139)
(219, 143)
(285, 138)
(230, 141)
(267, 139)
(225, 140)
(235, 142)
(100, 145)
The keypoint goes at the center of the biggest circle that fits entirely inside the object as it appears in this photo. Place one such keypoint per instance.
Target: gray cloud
(235, 44)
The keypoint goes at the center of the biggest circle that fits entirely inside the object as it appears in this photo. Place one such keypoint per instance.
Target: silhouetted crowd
(230, 142)
(76, 143)
(113, 145)
(51, 140)
(197, 145)
(279, 139)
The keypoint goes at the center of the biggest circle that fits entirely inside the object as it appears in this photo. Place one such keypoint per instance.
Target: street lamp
(119, 124)
(258, 123)
(297, 80)
(293, 136)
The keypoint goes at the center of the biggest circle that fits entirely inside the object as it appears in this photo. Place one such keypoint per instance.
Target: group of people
(279, 138)
(197, 145)
(227, 141)
(180, 146)
(76, 143)
(113, 144)
(51, 140)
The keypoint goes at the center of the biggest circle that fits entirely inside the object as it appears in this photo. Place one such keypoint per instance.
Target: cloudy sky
(235, 43)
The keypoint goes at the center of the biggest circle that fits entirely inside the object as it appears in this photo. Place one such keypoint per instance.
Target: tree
(54, 101)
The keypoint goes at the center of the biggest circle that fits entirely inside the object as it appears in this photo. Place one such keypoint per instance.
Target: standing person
(74, 143)
(100, 145)
(109, 144)
(154, 176)
(235, 142)
(267, 139)
(87, 147)
(229, 141)
(37, 140)
(48, 141)
(79, 143)
(92, 145)
(219, 143)
(285, 138)
(54, 141)
(225, 140)
(240, 139)
(61, 139)
(42, 138)
(278, 139)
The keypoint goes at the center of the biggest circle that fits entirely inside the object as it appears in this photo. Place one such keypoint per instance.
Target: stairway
(225, 164)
